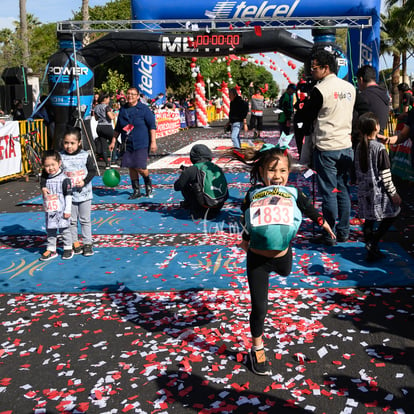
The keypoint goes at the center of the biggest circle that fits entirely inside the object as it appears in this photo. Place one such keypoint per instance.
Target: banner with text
(10, 149)
(168, 122)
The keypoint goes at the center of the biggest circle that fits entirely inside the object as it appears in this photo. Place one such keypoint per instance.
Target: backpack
(211, 185)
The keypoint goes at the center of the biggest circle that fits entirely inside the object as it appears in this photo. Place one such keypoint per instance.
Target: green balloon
(111, 178)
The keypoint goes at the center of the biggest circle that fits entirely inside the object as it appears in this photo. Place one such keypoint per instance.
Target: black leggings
(105, 133)
(372, 236)
(256, 122)
(258, 270)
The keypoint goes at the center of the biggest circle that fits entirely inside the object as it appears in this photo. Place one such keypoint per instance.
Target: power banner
(10, 149)
(365, 52)
(67, 76)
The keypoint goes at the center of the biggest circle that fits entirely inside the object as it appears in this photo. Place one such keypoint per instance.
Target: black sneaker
(88, 250)
(373, 252)
(67, 254)
(77, 248)
(260, 365)
(47, 255)
(341, 239)
(321, 239)
(184, 204)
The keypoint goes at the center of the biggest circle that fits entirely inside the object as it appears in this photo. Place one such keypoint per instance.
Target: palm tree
(85, 17)
(397, 40)
(23, 32)
(408, 7)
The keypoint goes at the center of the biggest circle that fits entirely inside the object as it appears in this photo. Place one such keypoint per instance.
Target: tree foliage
(397, 39)
(407, 12)
(42, 44)
(181, 83)
(115, 82)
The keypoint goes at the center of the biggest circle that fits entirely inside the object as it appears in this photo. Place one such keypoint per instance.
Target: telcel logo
(145, 70)
(264, 10)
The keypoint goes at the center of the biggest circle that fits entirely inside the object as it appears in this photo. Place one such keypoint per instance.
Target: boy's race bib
(52, 203)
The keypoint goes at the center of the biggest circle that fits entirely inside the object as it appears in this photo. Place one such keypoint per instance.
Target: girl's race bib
(272, 210)
(52, 203)
(76, 177)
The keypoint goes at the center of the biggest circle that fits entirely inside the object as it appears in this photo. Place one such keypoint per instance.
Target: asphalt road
(332, 350)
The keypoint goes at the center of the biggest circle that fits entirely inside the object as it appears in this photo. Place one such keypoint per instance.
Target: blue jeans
(235, 133)
(333, 168)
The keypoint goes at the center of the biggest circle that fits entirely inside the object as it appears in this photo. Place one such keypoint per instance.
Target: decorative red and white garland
(200, 99)
(226, 100)
(200, 94)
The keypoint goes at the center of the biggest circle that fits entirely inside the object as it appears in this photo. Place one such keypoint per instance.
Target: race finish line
(182, 156)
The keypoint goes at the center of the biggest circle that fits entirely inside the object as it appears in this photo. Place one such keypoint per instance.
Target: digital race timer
(218, 40)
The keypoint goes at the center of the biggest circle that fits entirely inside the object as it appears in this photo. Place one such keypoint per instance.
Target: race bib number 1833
(266, 214)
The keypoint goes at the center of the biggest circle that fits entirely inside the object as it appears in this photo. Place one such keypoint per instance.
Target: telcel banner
(149, 74)
(251, 9)
(256, 10)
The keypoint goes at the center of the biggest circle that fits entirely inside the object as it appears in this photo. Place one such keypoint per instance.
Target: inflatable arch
(242, 27)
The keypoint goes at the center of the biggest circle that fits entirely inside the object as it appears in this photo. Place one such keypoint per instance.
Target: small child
(57, 203)
(272, 214)
(78, 165)
(190, 185)
(378, 200)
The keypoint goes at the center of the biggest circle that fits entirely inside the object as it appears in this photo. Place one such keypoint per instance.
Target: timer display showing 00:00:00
(218, 40)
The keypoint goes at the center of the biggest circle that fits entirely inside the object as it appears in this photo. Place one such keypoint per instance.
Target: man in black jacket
(239, 109)
(371, 97)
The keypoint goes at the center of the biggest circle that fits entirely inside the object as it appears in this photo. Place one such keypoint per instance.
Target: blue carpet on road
(197, 267)
(120, 194)
(174, 220)
(157, 268)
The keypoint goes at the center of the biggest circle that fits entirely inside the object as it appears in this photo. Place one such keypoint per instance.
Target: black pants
(258, 270)
(196, 209)
(256, 122)
(372, 236)
(105, 133)
(283, 127)
(299, 135)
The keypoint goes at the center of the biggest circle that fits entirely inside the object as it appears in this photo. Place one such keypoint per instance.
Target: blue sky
(48, 11)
